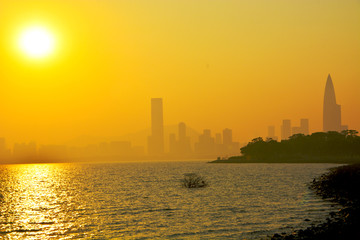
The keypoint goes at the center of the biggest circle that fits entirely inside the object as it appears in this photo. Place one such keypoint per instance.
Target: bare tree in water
(193, 180)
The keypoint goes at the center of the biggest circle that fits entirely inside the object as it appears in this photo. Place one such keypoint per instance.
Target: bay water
(145, 200)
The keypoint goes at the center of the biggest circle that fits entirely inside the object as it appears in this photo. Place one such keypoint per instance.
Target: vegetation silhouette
(334, 147)
(193, 180)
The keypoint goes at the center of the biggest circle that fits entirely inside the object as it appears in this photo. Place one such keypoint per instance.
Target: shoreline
(340, 185)
(291, 159)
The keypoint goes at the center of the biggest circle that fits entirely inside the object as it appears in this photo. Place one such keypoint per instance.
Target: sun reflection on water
(32, 200)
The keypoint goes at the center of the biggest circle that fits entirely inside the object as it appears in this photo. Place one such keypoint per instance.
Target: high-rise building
(184, 147)
(218, 138)
(206, 144)
(173, 148)
(296, 130)
(286, 129)
(271, 132)
(229, 147)
(4, 151)
(331, 111)
(227, 137)
(182, 132)
(156, 140)
(25, 151)
(304, 125)
(303, 129)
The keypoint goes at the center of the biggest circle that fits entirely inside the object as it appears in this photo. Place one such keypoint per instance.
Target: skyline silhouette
(178, 146)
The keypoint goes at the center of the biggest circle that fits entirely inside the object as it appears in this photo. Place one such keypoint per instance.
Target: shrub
(193, 180)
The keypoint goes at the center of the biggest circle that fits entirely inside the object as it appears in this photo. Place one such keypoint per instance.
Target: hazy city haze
(242, 65)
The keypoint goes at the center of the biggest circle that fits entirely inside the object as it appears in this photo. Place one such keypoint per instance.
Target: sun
(37, 42)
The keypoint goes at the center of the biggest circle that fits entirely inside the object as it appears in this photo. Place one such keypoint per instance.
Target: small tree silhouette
(193, 180)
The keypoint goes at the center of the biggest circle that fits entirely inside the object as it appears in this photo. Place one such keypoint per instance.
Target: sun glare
(37, 42)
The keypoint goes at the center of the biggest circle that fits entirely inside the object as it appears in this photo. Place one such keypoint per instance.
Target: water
(146, 200)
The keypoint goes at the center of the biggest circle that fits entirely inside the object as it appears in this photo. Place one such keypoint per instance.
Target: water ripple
(147, 201)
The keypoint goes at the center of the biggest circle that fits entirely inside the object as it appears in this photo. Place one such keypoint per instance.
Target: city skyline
(231, 64)
(179, 145)
(157, 116)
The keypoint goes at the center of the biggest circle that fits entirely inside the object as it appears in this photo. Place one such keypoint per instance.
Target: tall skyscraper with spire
(332, 110)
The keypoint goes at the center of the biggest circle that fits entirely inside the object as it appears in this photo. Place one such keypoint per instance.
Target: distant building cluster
(331, 117)
(216, 146)
(30, 152)
(180, 145)
(287, 130)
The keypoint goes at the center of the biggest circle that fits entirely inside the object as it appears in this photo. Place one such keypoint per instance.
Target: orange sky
(243, 65)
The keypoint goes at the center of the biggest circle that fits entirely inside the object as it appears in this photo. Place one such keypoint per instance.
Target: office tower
(286, 129)
(218, 138)
(120, 148)
(207, 134)
(23, 151)
(4, 152)
(156, 140)
(206, 144)
(303, 129)
(296, 130)
(331, 111)
(173, 148)
(182, 132)
(271, 132)
(304, 125)
(2, 144)
(229, 147)
(54, 152)
(227, 137)
(184, 141)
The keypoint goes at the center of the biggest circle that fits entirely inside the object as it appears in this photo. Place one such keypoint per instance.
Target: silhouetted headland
(340, 185)
(319, 147)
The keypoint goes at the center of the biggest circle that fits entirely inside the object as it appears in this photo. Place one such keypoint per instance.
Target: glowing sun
(37, 42)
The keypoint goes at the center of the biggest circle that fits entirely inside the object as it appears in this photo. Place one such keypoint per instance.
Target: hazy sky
(240, 64)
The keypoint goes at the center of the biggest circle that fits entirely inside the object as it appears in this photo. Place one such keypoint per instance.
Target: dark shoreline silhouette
(340, 185)
(319, 147)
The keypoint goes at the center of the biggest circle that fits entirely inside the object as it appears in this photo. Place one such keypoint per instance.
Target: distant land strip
(292, 159)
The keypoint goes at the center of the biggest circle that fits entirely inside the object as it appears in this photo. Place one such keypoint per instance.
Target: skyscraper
(332, 111)
(182, 132)
(206, 144)
(218, 138)
(303, 129)
(184, 141)
(156, 140)
(304, 125)
(173, 148)
(271, 132)
(286, 129)
(227, 137)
